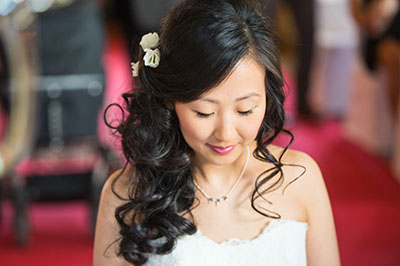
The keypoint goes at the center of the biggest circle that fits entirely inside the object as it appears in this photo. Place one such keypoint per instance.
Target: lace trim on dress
(236, 241)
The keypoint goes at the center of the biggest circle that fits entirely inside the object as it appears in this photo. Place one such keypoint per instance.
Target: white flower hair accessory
(135, 69)
(149, 41)
(151, 57)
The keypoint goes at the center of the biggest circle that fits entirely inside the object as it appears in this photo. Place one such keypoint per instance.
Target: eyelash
(246, 113)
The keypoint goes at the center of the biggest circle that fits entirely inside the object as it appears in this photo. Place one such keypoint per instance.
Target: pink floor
(365, 198)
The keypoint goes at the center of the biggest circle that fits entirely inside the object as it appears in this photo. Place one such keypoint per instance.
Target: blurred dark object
(303, 13)
(69, 107)
(4, 82)
(70, 45)
(379, 21)
(71, 39)
(67, 161)
(138, 17)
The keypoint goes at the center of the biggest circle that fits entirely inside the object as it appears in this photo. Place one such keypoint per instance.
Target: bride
(203, 185)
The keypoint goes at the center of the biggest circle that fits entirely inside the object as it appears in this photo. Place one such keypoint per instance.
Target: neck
(215, 178)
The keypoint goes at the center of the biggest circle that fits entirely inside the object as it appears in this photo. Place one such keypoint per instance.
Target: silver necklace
(225, 198)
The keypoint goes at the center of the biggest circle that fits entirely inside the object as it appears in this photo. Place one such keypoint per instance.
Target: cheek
(250, 130)
(193, 129)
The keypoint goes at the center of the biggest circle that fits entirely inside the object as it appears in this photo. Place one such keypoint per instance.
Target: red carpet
(59, 236)
(365, 196)
(365, 200)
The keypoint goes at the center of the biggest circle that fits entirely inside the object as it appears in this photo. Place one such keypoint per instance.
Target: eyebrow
(253, 94)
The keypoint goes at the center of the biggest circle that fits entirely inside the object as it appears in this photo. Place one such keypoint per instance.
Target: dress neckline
(236, 241)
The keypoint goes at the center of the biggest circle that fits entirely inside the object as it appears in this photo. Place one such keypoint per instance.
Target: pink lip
(222, 150)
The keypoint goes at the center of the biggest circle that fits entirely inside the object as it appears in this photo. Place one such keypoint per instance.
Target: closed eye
(246, 113)
(203, 115)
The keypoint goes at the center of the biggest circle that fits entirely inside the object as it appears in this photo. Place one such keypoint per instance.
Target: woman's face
(225, 120)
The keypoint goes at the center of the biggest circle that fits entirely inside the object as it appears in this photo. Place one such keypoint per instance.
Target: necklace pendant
(217, 202)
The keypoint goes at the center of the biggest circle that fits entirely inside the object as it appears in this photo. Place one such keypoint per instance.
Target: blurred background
(63, 61)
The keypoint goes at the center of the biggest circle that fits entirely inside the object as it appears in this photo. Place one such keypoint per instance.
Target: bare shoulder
(291, 156)
(310, 188)
(302, 171)
(309, 184)
(116, 187)
(113, 195)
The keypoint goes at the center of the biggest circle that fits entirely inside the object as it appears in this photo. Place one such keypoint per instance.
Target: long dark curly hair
(201, 41)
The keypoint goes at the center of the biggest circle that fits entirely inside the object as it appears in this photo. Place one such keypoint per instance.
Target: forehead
(246, 81)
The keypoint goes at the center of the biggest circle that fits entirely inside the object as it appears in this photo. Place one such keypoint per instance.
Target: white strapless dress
(282, 243)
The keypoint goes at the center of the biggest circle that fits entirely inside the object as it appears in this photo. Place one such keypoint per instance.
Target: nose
(225, 130)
